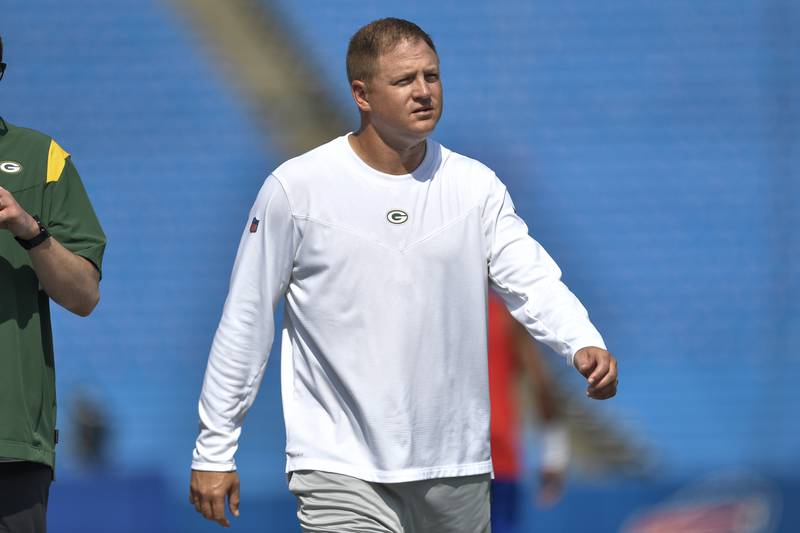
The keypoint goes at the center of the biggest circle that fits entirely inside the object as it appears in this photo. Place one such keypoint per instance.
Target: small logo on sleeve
(254, 225)
(10, 167)
(396, 216)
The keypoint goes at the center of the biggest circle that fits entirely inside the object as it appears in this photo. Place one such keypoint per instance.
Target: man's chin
(425, 127)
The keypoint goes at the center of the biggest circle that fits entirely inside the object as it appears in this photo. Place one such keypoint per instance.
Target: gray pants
(343, 504)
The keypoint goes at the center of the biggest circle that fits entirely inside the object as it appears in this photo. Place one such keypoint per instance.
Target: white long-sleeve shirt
(383, 360)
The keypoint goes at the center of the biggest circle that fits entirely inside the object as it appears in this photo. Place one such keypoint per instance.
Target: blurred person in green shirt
(51, 247)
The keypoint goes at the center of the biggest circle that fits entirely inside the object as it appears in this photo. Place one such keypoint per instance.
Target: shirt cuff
(213, 467)
(584, 342)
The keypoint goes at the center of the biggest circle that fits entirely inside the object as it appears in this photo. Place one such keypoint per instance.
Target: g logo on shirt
(396, 216)
(10, 167)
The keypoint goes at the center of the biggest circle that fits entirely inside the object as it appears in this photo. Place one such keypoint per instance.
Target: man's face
(405, 94)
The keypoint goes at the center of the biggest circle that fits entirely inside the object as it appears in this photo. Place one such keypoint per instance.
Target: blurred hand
(15, 219)
(599, 368)
(551, 486)
(207, 492)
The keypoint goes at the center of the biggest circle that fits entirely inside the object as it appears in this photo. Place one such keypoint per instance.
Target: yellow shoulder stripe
(56, 160)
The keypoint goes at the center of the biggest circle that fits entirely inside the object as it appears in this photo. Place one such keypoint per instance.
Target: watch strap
(40, 237)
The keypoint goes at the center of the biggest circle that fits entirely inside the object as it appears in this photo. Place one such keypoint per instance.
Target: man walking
(51, 247)
(384, 244)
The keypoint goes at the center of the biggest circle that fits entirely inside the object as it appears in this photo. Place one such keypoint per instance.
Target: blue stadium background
(653, 147)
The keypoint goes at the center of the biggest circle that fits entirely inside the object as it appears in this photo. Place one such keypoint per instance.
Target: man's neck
(390, 157)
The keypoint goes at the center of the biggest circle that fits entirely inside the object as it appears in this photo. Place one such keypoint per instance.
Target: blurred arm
(531, 363)
(553, 436)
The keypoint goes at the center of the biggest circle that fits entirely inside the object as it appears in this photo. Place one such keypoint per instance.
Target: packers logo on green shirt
(10, 167)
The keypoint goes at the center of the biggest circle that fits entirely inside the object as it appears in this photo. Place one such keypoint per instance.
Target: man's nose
(422, 90)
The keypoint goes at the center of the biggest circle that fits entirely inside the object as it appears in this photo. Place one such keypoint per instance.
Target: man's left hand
(14, 218)
(599, 368)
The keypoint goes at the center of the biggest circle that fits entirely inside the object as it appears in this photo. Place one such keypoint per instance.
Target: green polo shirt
(41, 177)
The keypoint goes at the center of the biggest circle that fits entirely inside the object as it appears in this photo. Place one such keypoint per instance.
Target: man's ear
(358, 89)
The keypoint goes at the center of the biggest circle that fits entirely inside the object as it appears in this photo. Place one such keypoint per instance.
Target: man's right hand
(207, 492)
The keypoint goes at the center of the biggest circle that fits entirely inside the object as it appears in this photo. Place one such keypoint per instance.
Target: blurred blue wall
(651, 146)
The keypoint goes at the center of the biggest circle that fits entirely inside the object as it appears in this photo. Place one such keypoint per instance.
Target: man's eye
(432, 77)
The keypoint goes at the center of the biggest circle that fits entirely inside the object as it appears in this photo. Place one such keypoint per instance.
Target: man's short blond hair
(376, 38)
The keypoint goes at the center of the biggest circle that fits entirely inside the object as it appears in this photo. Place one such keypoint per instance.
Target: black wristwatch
(40, 237)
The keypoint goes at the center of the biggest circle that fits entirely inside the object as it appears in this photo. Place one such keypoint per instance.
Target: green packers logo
(10, 167)
(396, 216)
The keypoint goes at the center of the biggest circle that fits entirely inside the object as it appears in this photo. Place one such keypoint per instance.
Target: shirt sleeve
(529, 281)
(69, 216)
(245, 333)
